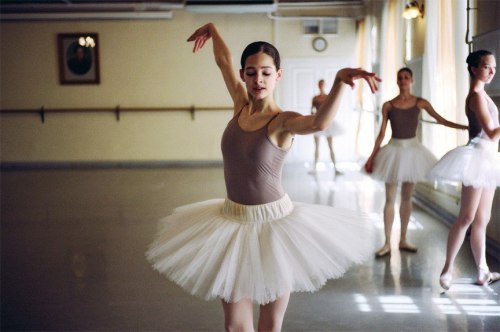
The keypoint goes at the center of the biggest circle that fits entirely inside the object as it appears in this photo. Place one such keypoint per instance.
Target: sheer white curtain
(363, 54)
(392, 43)
(462, 75)
(391, 52)
(440, 72)
(364, 98)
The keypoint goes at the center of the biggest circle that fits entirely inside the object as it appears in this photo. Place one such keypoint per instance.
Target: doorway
(299, 86)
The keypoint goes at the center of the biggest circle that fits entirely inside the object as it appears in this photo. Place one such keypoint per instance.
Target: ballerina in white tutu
(256, 246)
(335, 129)
(477, 166)
(404, 159)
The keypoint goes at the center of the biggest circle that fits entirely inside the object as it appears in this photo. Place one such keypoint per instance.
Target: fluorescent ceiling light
(160, 15)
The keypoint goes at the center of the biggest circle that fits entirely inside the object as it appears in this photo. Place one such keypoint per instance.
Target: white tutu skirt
(476, 164)
(402, 160)
(222, 249)
(335, 129)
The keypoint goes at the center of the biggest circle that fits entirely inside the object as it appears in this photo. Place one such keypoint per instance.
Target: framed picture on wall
(78, 58)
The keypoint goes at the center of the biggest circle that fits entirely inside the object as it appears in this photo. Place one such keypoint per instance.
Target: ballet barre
(117, 110)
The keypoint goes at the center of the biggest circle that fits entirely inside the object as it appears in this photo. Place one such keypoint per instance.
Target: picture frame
(78, 58)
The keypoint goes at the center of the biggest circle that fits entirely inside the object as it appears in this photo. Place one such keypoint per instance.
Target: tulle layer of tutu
(335, 129)
(215, 249)
(476, 164)
(403, 160)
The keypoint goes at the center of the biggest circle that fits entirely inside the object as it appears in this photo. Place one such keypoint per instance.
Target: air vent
(231, 6)
(323, 26)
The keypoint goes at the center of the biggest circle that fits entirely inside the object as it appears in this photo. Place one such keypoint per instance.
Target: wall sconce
(413, 10)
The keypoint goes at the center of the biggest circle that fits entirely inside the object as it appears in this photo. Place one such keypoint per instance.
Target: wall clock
(319, 44)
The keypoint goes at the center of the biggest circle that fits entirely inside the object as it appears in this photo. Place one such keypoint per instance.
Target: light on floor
(451, 305)
(362, 303)
(398, 304)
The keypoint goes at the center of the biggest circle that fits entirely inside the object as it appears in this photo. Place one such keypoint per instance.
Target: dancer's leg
(390, 200)
(238, 316)
(469, 203)
(405, 210)
(329, 139)
(316, 154)
(272, 314)
(478, 234)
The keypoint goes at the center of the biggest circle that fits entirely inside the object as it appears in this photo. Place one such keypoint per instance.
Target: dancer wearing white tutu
(404, 159)
(256, 246)
(477, 166)
(335, 129)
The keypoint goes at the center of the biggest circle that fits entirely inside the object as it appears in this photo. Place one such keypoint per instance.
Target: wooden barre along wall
(117, 110)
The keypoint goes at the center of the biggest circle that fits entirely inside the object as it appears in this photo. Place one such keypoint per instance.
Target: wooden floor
(73, 244)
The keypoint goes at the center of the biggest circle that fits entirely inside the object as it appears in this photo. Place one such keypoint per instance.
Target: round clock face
(319, 44)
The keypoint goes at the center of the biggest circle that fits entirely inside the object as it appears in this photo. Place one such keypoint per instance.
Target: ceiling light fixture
(413, 10)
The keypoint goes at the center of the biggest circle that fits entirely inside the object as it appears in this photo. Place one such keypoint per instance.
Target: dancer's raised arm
(223, 59)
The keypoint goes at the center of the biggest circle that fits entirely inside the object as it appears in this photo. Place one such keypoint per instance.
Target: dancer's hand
(369, 165)
(200, 36)
(349, 75)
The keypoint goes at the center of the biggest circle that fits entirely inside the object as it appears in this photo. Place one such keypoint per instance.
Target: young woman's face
(405, 80)
(486, 69)
(260, 75)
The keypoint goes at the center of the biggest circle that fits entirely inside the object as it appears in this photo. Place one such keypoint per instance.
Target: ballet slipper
(405, 246)
(494, 276)
(485, 277)
(385, 250)
(445, 281)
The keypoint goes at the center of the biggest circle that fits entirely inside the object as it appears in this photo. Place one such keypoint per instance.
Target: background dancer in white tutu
(256, 246)
(404, 159)
(335, 129)
(477, 166)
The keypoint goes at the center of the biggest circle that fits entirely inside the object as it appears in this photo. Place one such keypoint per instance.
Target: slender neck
(476, 85)
(405, 94)
(262, 105)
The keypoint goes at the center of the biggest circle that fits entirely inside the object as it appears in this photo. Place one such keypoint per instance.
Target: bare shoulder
(476, 101)
(387, 106)
(239, 105)
(476, 97)
(423, 103)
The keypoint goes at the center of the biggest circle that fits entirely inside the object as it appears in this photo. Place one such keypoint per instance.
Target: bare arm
(224, 61)
(422, 103)
(324, 115)
(380, 137)
(479, 105)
